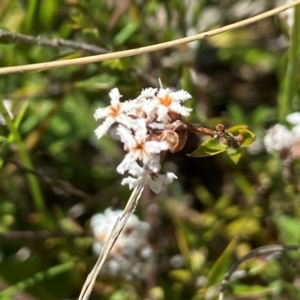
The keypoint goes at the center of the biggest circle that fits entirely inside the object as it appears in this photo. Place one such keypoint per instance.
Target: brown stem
(258, 252)
(55, 43)
(202, 130)
(221, 134)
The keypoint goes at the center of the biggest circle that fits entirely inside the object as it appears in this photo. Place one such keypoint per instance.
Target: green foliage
(213, 146)
(54, 173)
(209, 147)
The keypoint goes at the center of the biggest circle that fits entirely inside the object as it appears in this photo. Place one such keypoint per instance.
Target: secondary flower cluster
(147, 126)
(131, 252)
(282, 139)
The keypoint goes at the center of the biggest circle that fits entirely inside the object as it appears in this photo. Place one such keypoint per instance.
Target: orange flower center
(114, 110)
(101, 238)
(166, 100)
(140, 147)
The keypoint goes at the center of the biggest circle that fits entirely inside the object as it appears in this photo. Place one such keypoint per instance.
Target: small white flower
(157, 126)
(294, 118)
(296, 132)
(278, 138)
(167, 101)
(148, 93)
(130, 250)
(137, 145)
(159, 181)
(155, 181)
(113, 113)
(141, 176)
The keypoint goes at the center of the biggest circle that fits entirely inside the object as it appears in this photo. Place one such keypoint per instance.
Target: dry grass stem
(114, 234)
(142, 50)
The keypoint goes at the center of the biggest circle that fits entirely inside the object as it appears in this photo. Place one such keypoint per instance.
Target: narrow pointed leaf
(249, 137)
(234, 154)
(255, 291)
(208, 148)
(235, 130)
(221, 266)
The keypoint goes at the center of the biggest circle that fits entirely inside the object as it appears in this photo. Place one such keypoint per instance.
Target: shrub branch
(54, 43)
(261, 251)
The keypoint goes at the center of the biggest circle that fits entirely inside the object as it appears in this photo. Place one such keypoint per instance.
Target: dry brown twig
(258, 252)
(54, 43)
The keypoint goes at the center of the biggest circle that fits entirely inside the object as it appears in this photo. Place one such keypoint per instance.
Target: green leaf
(97, 82)
(289, 229)
(36, 278)
(248, 137)
(114, 64)
(234, 154)
(221, 266)
(235, 130)
(244, 226)
(292, 290)
(208, 148)
(181, 275)
(3, 139)
(120, 295)
(125, 33)
(255, 291)
(236, 113)
(47, 14)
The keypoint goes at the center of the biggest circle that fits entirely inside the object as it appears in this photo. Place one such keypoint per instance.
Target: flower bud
(171, 137)
(174, 116)
(220, 127)
(176, 140)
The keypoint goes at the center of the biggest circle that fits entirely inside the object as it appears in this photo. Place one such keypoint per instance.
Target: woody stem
(202, 130)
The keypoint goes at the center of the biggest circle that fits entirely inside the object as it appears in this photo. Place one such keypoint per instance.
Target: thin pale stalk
(32, 180)
(113, 236)
(290, 81)
(147, 49)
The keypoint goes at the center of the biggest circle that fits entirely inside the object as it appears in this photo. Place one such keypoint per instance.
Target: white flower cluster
(280, 138)
(146, 127)
(131, 251)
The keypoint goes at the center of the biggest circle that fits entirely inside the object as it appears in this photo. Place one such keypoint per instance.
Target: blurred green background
(213, 214)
